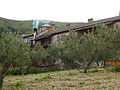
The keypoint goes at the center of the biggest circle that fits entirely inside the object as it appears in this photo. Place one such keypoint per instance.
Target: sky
(59, 10)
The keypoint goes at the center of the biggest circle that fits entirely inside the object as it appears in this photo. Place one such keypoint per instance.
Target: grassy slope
(64, 80)
(13, 25)
(25, 26)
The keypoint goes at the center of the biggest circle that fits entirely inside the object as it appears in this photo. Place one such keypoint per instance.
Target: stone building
(49, 35)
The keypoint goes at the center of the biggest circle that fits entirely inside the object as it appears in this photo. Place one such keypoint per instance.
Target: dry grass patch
(64, 80)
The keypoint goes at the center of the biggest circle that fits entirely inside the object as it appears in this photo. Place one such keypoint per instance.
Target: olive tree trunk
(87, 67)
(1, 81)
(3, 74)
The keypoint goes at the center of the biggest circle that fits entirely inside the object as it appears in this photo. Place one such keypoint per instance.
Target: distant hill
(26, 26)
(13, 25)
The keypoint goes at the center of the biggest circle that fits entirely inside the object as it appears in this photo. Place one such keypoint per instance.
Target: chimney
(90, 20)
(69, 25)
(35, 25)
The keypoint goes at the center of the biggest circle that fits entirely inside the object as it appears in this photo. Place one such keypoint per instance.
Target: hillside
(26, 26)
(65, 80)
(12, 25)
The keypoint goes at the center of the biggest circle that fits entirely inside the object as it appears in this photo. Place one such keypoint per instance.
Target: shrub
(33, 70)
(14, 71)
(17, 71)
(115, 68)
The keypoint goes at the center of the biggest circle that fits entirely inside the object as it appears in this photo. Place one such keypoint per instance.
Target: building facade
(50, 35)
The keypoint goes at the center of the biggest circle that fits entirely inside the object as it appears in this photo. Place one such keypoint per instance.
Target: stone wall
(116, 25)
(58, 37)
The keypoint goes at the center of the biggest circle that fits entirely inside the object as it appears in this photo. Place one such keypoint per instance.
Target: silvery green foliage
(83, 49)
(13, 50)
(99, 45)
(38, 53)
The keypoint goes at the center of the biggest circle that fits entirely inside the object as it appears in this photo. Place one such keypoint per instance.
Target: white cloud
(59, 10)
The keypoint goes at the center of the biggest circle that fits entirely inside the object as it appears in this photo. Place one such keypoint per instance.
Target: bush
(33, 70)
(14, 71)
(115, 68)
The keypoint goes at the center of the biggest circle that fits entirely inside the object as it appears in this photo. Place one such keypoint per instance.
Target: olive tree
(12, 52)
(38, 53)
(111, 43)
(115, 41)
(98, 46)
(82, 49)
(69, 50)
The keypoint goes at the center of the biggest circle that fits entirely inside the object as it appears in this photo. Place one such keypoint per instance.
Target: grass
(65, 80)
